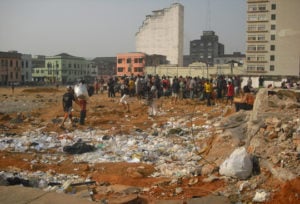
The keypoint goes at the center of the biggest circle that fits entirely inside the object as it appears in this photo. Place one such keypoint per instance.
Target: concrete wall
(162, 33)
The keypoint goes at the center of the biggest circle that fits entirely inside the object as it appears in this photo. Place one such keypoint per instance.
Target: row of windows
(260, 7)
(259, 37)
(9, 62)
(50, 72)
(253, 27)
(128, 60)
(209, 44)
(260, 17)
(259, 68)
(50, 65)
(136, 69)
(260, 48)
(259, 58)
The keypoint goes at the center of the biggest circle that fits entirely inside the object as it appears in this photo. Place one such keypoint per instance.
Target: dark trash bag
(78, 148)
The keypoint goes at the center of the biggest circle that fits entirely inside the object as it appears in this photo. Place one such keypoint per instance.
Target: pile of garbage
(243, 147)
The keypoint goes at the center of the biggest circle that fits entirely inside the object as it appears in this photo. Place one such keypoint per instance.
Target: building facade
(131, 64)
(206, 48)
(106, 66)
(26, 68)
(162, 34)
(273, 37)
(65, 68)
(236, 57)
(10, 68)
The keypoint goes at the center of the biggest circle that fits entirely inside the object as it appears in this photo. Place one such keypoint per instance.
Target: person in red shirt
(230, 93)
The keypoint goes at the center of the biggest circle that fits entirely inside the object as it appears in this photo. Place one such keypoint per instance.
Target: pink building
(131, 64)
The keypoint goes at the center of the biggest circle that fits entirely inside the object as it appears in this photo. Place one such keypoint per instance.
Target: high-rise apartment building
(206, 48)
(273, 37)
(162, 34)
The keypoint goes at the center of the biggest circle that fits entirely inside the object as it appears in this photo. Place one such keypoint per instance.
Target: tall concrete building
(273, 37)
(206, 48)
(162, 34)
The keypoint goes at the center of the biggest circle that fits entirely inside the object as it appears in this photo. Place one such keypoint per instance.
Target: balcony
(257, 1)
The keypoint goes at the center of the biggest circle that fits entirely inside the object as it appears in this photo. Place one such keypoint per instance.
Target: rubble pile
(244, 150)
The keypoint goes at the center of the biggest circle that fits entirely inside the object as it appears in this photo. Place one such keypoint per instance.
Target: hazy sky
(104, 28)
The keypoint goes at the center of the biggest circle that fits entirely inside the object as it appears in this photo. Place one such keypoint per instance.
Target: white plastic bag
(238, 165)
(81, 91)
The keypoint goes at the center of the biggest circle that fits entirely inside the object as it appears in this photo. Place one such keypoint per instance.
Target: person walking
(230, 93)
(67, 102)
(125, 96)
(82, 100)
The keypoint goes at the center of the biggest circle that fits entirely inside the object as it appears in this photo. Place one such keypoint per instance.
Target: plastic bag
(238, 165)
(81, 91)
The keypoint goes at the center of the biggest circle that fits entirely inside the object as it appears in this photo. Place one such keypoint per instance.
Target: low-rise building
(65, 68)
(10, 68)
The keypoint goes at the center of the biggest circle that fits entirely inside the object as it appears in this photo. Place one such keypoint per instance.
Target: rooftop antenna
(207, 15)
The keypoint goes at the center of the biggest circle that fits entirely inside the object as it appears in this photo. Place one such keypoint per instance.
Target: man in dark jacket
(67, 101)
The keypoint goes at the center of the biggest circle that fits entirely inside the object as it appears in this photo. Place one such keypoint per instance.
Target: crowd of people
(220, 89)
(177, 87)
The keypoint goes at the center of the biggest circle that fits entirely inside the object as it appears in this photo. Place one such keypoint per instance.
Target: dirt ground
(43, 105)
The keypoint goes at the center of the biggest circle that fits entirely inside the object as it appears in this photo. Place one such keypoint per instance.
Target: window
(252, 18)
(252, 8)
(272, 37)
(119, 61)
(260, 37)
(261, 27)
(128, 60)
(251, 37)
(120, 69)
(260, 58)
(273, 17)
(273, 27)
(252, 28)
(262, 17)
(138, 69)
(251, 68)
(272, 68)
(260, 47)
(26, 64)
(272, 57)
(251, 48)
(135, 60)
(17, 75)
(11, 63)
(262, 7)
(273, 6)
(272, 47)
(260, 68)
(251, 58)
